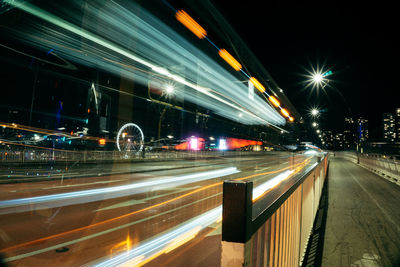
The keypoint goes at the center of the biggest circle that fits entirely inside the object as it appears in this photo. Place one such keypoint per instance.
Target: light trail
(178, 236)
(157, 47)
(163, 243)
(85, 196)
(76, 230)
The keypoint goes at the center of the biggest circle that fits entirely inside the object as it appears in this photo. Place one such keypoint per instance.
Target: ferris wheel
(130, 138)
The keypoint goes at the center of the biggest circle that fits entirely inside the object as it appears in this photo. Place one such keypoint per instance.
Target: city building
(362, 130)
(349, 134)
(388, 127)
(397, 127)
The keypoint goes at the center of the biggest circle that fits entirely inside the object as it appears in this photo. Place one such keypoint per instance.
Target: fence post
(236, 221)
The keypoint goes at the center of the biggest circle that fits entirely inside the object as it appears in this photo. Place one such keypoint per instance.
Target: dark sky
(355, 41)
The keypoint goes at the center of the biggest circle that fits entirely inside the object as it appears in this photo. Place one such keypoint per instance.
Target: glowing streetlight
(314, 124)
(169, 89)
(317, 78)
(314, 112)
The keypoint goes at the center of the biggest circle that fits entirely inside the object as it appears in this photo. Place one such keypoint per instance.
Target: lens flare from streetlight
(317, 77)
(314, 112)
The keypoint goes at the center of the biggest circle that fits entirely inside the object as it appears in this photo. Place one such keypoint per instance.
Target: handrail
(277, 235)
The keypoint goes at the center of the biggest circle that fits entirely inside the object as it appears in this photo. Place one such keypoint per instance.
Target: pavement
(363, 218)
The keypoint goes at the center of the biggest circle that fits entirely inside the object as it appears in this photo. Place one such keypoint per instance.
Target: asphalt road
(363, 218)
(170, 217)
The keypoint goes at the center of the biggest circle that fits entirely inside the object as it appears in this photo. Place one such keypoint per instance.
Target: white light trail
(157, 49)
(263, 188)
(173, 238)
(91, 195)
(166, 241)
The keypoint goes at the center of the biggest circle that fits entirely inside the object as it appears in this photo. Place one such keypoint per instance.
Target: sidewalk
(363, 218)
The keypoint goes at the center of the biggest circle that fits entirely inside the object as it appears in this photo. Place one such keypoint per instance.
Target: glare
(314, 112)
(169, 89)
(317, 77)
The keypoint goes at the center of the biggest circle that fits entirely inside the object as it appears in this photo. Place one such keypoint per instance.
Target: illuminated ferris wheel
(130, 138)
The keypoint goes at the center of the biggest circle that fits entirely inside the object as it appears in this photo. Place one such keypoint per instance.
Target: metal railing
(274, 230)
(387, 167)
(87, 156)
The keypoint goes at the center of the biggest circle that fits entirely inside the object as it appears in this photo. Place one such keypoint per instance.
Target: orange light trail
(33, 242)
(257, 84)
(191, 24)
(274, 101)
(230, 59)
(285, 112)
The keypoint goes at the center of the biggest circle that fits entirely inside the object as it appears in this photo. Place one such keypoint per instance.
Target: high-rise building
(338, 142)
(397, 127)
(388, 127)
(328, 139)
(349, 134)
(362, 130)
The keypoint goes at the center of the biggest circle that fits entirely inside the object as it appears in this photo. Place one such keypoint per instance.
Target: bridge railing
(273, 230)
(87, 156)
(385, 166)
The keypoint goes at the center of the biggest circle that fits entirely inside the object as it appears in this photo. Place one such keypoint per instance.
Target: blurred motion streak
(274, 101)
(257, 84)
(157, 47)
(230, 59)
(62, 234)
(85, 196)
(190, 23)
(285, 112)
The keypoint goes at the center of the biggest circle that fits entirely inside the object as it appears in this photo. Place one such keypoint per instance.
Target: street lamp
(314, 124)
(314, 112)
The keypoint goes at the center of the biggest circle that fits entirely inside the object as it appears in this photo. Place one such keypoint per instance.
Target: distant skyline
(355, 42)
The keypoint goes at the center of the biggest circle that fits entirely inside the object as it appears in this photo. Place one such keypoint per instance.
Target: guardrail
(273, 230)
(87, 156)
(387, 167)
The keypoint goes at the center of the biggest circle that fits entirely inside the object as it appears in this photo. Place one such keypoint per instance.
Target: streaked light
(230, 59)
(257, 84)
(285, 112)
(291, 119)
(274, 101)
(191, 24)
(265, 187)
(85, 196)
(168, 240)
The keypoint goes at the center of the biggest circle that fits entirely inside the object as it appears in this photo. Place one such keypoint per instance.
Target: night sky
(355, 41)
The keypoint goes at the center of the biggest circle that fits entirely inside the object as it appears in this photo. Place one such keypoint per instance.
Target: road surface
(168, 217)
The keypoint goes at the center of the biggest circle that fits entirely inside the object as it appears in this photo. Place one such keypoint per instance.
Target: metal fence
(38, 156)
(385, 166)
(277, 233)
